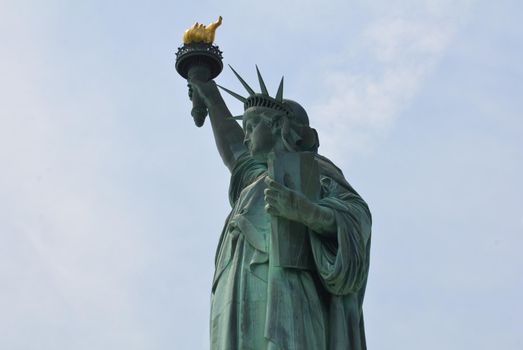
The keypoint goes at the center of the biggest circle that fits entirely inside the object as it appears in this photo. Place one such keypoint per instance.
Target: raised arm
(228, 134)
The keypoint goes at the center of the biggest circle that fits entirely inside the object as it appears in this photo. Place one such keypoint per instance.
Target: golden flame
(199, 33)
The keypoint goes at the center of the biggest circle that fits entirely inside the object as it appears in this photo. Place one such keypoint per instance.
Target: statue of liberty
(293, 257)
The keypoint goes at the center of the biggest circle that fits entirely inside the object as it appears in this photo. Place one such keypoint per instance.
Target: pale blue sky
(112, 201)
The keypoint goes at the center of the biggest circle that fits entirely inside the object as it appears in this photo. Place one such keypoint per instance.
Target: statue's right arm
(228, 134)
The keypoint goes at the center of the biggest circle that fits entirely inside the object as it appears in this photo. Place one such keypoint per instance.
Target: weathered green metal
(293, 257)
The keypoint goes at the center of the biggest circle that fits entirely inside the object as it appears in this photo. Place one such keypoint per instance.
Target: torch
(199, 59)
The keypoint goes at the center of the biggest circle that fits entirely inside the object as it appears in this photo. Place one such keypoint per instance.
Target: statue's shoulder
(330, 170)
(333, 181)
(245, 172)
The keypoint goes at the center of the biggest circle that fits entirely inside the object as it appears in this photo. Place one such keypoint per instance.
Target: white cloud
(401, 45)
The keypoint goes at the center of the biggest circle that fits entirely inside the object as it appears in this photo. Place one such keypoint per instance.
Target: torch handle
(199, 110)
(199, 72)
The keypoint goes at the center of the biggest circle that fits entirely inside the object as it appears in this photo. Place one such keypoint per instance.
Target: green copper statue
(293, 257)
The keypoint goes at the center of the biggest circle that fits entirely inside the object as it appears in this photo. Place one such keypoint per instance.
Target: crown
(262, 99)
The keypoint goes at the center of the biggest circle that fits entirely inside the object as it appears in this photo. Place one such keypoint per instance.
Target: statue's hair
(296, 136)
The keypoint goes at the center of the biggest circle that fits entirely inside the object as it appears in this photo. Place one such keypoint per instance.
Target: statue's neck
(278, 148)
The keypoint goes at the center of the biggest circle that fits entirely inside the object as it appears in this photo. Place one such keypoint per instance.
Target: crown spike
(279, 94)
(245, 85)
(232, 93)
(262, 83)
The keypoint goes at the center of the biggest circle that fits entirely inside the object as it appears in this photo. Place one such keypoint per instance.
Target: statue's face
(259, 136)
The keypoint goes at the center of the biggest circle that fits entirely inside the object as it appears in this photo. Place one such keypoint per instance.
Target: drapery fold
(290, 308)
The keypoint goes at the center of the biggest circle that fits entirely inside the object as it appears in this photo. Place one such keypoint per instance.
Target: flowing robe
(255, 305)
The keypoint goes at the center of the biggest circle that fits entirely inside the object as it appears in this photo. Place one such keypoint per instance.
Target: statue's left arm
(293, 205)
(340, 226)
